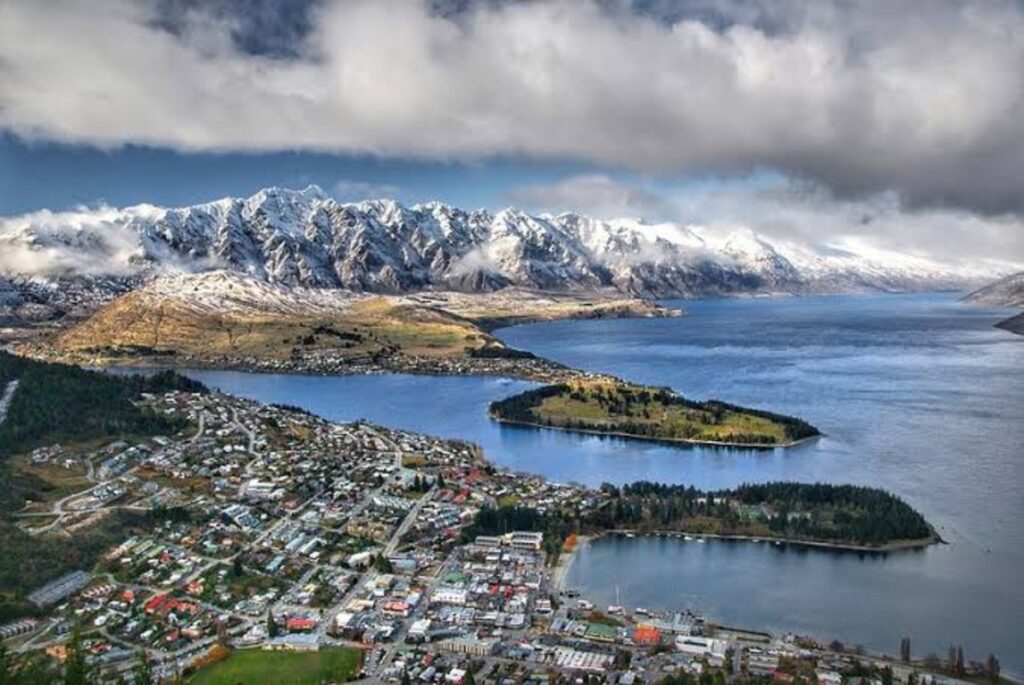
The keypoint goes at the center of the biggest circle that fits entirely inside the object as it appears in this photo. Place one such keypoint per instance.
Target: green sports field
(259, 667)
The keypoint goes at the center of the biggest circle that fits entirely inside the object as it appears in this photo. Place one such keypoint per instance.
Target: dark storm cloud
(924, 98)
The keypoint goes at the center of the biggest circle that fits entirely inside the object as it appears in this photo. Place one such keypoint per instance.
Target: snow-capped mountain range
(305, 238)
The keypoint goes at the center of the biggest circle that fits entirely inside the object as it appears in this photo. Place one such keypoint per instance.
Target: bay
(915, 393)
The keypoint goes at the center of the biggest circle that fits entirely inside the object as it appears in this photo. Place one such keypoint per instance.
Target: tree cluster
(59, 403)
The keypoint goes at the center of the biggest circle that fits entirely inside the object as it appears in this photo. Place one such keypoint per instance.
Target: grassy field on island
(611, 406)
(260, 667)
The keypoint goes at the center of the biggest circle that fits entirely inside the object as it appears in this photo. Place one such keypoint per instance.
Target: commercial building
(298, 642)
(469, 646)
(527, 540)
(692, 645)
(55, 591)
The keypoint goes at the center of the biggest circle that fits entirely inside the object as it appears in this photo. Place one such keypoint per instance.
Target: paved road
(240, 426)
(5, 399)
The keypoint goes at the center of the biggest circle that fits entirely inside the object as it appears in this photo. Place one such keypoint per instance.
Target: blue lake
(915, 393)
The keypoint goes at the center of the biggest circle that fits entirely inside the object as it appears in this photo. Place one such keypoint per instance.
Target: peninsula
(613, 407)
(223, 319)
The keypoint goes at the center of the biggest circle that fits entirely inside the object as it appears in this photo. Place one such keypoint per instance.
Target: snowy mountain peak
(305, 238)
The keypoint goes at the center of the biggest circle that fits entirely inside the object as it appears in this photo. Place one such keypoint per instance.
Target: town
(278, 531)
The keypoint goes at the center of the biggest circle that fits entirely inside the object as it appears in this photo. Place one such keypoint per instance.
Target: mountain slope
(1006, 292)
(222, 313)
(223, 317)
(304, 238)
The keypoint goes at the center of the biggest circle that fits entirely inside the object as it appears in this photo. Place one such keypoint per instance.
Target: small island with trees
(613, 407)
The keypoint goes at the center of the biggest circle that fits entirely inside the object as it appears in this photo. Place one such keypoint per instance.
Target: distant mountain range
(305, 238)
(1006, 292)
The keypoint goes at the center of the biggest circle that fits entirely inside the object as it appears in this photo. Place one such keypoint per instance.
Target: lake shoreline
(668, 441)
(565, 562)
(895, 546)
(560, 572)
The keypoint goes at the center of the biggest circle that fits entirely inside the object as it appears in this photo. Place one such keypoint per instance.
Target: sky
(898, 124)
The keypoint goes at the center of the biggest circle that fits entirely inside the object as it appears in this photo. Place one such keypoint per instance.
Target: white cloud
(82, 242)
(854, 95)
(597, 195)
(801, 212)
(810, 214)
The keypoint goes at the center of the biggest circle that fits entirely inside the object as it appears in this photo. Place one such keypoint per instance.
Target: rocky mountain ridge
(305, 238)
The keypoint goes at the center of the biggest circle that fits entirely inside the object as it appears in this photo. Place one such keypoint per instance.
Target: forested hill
(819, 512)
(844, 516)
(59, 403)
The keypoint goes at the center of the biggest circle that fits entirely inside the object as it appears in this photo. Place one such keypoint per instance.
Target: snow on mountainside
(1006, 292)
(304, 238)
(225, 292)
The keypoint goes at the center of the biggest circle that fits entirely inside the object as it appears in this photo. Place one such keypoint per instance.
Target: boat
(617, 607)
(640, 611)
(687, 538)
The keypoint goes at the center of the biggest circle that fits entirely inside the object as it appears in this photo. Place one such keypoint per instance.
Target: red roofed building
(300, 624)
(396, 608)
(155, 604)
(646, 634)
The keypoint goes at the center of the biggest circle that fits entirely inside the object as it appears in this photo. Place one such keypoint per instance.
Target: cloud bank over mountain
(787, 209)
(922, 98)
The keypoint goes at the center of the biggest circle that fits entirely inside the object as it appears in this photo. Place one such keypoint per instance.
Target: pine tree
(144, 673)
(383, 564)
(76, 667)
(6, 668)
(222, 632)
(271, 624)
(905, 650)
(992, 668)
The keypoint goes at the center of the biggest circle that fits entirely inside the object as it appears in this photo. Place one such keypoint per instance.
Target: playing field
(259, 667)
